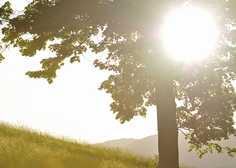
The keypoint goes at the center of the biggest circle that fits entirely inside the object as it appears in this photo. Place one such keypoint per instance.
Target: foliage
(155, 161)
(136, 57)
(5, 12)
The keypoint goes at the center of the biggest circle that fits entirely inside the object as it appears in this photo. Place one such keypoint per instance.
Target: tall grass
(22, 147)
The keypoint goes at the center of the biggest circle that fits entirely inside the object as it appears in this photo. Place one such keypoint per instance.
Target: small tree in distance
(143, 74)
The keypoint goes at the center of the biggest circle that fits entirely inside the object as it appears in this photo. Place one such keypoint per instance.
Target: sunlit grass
(22, 147)
(188, 166)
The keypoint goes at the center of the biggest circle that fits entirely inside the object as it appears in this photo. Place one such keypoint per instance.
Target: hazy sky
(72, 106)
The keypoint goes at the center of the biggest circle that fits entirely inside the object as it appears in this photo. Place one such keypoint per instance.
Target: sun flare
(189, 34)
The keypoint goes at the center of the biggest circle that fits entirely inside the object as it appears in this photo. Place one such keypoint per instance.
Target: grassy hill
(21, 147)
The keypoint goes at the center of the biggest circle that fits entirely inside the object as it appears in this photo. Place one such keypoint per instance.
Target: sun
(189, 34)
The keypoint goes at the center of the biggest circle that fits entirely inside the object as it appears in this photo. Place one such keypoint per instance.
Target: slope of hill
(21, 147)
(148, 146)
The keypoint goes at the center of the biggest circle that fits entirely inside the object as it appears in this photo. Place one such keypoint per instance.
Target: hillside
(21, 147)
(148, 146)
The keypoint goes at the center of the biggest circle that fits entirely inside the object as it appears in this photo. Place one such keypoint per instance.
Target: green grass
(22, 147)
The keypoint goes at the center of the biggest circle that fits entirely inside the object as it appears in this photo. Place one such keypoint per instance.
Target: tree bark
(167, 127)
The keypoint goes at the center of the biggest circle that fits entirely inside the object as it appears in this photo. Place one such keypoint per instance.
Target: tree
(143, 74)
(5, 12)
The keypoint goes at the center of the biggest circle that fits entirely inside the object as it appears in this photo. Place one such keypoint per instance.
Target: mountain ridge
(148, 146)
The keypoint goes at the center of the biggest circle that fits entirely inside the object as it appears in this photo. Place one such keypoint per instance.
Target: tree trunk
(167, 127)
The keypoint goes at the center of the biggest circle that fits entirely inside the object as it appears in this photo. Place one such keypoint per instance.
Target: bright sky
(72, 106)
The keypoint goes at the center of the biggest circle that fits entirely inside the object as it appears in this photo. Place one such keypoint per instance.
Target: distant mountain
(148, 146)
(119, 142)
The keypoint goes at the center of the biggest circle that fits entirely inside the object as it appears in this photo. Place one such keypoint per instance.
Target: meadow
(22, 147)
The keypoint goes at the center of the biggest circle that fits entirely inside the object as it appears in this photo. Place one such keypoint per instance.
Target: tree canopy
(5, 12)
(137, 58)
